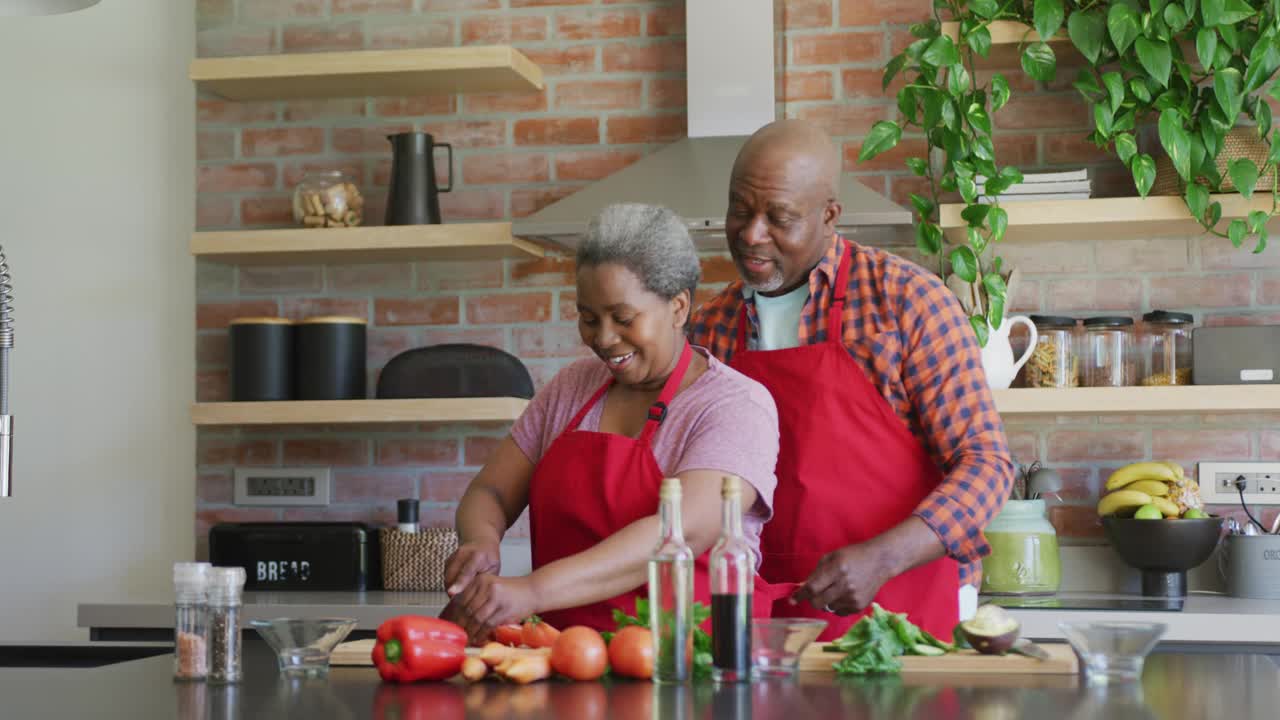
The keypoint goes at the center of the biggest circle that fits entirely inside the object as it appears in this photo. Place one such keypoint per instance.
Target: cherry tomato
(631, 652)
(579, 654)
(508, 635)
(537, 634)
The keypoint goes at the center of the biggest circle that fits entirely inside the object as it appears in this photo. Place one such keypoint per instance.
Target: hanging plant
(943, 99)
(1194, 68)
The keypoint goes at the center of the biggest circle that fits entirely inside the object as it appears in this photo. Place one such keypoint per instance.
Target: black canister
(261, 359)
(329, 354)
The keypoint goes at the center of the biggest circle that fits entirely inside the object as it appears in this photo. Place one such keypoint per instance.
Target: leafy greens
(874, 643)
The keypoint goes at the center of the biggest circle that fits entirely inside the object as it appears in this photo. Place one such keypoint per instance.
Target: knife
(1025, 647)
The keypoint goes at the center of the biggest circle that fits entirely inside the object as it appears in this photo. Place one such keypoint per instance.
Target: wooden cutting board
(1062, 661)
(354, 652)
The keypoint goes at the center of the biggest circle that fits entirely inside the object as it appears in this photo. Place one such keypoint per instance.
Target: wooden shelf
(335, 412)
(429, 71)
(1188, 399)
(1008, 39)
(392, 243)
(1101, 218)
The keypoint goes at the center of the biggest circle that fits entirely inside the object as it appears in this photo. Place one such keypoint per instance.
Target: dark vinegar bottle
(732, 572)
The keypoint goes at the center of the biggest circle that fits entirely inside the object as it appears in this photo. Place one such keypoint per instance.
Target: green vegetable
(701, 639)
(874, 643)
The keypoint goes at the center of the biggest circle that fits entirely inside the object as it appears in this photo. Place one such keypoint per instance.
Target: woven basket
(415, 561)
(1241, 142)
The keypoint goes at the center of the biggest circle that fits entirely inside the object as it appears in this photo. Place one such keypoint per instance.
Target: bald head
(783, 205)
(798, 149)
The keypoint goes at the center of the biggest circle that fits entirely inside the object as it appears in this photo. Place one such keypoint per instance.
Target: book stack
(1068, 185)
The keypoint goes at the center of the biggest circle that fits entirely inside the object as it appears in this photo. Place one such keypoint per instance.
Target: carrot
(474, 669)
(529, 669)
(494, 654)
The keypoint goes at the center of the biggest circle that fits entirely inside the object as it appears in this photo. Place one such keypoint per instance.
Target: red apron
(848, 470)
(590, 485)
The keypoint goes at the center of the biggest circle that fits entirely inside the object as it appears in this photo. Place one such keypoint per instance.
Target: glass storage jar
(1024, 556)
(1110, 358)
(1055, 362)
(327, 199)
(1166, 348)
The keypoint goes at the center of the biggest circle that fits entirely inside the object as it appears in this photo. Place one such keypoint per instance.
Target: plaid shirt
(908, 333)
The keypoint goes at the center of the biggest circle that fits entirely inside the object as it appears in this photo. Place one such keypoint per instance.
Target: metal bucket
(1251, 566)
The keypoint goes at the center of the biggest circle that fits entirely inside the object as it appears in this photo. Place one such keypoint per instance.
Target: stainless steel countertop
(1205, 618)
(1174, 687)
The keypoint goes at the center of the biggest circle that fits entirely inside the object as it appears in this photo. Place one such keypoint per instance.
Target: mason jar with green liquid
(1024, 552)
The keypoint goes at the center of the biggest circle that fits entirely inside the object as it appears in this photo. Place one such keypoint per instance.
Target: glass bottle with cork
(732, 571)
(226, 586)
(190, 628)
(671, 590)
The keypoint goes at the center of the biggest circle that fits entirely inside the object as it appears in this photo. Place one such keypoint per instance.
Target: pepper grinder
(407, 515)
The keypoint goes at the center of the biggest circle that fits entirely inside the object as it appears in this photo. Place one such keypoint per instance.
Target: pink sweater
(724, 422)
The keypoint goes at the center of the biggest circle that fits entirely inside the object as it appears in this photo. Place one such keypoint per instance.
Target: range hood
(730, 96)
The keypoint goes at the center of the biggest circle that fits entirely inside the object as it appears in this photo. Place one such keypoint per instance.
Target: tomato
(537, 634)
(631, 652)
(508, 635)
(579, 654)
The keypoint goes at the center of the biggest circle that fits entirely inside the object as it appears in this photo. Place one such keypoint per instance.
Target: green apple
(1148, 512)
(1194, 513)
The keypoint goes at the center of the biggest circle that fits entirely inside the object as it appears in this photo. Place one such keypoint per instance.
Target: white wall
(97, 204)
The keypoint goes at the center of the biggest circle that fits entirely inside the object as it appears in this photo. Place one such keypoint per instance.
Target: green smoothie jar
(1024, 552)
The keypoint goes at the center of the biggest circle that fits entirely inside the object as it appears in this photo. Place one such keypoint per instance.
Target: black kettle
(414, 198)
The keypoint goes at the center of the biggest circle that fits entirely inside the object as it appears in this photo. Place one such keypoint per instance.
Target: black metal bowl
(1164, 550)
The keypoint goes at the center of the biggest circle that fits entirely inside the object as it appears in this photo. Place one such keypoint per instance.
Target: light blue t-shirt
(780, 318)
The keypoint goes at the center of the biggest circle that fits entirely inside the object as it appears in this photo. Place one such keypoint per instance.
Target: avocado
(991, 630)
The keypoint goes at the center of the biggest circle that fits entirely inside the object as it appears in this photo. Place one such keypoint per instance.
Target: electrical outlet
(282, 486)
(1218, 482)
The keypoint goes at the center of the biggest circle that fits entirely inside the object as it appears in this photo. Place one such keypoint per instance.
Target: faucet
(6, 343)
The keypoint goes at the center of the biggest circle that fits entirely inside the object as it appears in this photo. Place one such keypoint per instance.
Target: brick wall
(615, 92)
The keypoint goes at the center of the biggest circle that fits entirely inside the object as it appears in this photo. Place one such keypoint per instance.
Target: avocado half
(991, 630)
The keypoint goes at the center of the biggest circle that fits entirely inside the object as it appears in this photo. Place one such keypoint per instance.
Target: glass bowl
(777, 643)
(303, 646)
(1112, 651)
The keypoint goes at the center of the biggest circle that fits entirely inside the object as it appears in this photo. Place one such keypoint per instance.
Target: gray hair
(650, 241)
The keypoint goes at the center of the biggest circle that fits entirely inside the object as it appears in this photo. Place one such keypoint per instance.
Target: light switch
(282, 486)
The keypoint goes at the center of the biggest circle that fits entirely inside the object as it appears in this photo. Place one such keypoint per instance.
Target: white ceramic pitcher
(997, 356)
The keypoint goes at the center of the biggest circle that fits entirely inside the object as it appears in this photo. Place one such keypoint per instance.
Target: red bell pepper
(413, 647)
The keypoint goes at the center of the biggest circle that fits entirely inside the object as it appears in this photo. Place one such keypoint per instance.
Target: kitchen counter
(111, 619)
(1174, 686)
(1205, 618)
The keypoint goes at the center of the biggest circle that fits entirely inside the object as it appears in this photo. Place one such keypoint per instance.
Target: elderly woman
(590, 451)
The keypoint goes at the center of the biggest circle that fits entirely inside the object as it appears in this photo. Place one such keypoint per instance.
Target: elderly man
(893, 458)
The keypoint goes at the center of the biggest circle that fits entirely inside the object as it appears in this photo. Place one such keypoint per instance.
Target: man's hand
(490, 601)
(846, 580)
(471, 559)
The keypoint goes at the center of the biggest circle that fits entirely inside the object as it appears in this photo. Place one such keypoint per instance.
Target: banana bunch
(1162, 485)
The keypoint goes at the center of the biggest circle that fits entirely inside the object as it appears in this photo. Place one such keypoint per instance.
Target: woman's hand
(471, 559)
(490, 601)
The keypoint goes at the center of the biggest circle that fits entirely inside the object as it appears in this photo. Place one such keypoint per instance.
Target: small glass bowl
(303, 646)
(1112, 652)
(777, 643)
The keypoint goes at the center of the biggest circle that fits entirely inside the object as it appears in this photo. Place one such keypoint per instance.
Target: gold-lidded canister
(261, 359)
(330, 357)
